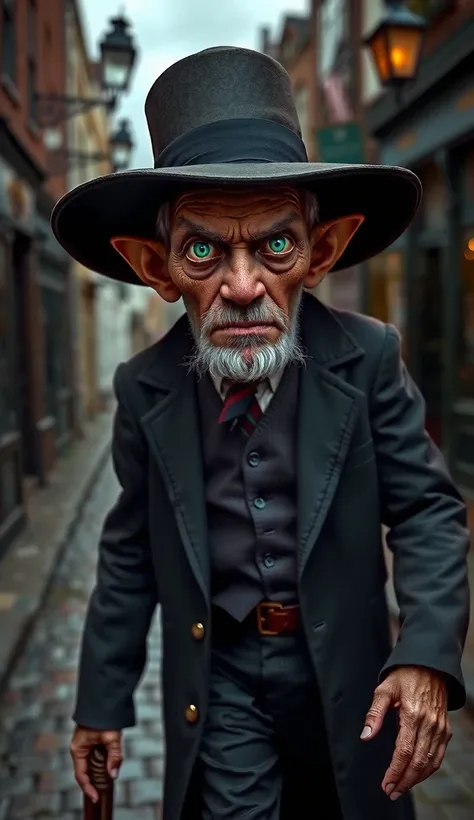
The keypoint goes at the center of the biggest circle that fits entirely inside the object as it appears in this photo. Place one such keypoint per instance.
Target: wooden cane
(103, 783)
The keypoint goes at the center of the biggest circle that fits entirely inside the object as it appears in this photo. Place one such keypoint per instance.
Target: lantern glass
(403, 49)
(117, 56)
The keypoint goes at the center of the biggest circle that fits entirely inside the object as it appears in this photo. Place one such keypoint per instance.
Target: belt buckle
(269, 606)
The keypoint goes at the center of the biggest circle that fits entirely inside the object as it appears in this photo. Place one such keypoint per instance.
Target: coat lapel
(328, 410)
(173, 434)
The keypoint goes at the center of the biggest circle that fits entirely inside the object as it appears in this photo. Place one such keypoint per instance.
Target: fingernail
(114, 773)
(366, 732)
(395, 795)
(389, 789)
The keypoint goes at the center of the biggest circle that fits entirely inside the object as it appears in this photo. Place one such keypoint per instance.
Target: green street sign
(341, 143)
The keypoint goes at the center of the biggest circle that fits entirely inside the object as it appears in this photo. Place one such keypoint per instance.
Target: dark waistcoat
(251, 501)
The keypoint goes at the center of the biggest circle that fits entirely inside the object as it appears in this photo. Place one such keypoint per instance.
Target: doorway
(430, 339)
(21, 248)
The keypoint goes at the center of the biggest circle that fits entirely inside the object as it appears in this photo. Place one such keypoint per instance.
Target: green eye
(279, 244)
(201, 250)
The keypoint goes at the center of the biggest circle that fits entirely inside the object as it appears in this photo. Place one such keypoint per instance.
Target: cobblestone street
(36, 778)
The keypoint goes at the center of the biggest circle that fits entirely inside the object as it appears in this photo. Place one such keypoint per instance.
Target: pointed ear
(149, 260)
(328, 242)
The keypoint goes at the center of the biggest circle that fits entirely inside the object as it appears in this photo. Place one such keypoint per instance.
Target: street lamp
(395, 45)
(121, 146)
(117, 58)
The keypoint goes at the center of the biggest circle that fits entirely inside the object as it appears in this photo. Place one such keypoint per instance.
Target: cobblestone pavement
(36, 779)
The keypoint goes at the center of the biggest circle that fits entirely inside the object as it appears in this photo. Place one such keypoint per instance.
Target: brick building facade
(35, 363)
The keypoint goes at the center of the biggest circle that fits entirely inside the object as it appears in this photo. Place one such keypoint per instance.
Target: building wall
(35, 394)
(88, 134)
(47, 50)
(424, 283)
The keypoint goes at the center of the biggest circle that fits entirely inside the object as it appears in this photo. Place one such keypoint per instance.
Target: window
(302, 105)
(9, 40)
(466, 319)
(31, 59)
(7, 398)
(54, 307)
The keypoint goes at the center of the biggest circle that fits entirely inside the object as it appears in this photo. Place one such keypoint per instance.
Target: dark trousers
(264, 747)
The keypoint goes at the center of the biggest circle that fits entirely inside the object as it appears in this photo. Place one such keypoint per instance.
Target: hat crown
(214, 85)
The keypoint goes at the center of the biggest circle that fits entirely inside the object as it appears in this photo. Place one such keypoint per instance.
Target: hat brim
(126, 203)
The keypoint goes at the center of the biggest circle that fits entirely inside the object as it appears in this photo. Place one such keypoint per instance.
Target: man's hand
(424, 731)
(83, 741)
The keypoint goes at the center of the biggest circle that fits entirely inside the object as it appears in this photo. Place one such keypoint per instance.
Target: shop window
(55, 324)
(387, 289)
(466, 322)
(10, 482)
(7, 398)
(9, 40)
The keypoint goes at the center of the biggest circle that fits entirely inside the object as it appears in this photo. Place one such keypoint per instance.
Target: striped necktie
(241, 408)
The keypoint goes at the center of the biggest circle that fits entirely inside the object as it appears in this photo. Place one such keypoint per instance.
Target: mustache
(261, 314)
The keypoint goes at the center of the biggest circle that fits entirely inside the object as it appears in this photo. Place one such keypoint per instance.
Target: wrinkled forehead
(238, 203)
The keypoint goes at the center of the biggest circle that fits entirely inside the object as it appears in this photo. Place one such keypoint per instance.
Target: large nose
(242, 282)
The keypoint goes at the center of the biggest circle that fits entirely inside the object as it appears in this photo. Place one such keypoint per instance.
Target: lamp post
(395, 45)
(117, 58)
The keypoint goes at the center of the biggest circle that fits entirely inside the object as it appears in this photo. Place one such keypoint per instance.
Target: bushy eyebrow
(200, 230)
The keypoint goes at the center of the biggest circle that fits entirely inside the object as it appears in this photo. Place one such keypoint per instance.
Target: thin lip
(244, 325)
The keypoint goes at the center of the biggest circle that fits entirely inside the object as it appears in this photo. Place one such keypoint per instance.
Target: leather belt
(274, 618)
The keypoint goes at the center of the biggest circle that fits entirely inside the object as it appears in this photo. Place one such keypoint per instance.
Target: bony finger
(113, 745)
(80, 772)
(91, 793)
(401, 759)
(376, 714)
(436, 758)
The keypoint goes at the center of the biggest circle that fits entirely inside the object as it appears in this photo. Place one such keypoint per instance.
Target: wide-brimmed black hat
(220, 118)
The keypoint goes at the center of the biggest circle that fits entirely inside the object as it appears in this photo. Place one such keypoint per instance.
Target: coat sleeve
(123, 602)
(427, 523)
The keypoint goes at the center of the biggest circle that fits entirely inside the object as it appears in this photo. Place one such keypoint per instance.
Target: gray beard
(249, 358)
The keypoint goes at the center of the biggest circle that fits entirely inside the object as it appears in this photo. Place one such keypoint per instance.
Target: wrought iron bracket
(54, 109)
(60, 162)
(79, 157)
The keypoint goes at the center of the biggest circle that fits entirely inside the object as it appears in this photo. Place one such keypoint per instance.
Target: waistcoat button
(192, 713)
(254, 459)
(259, 503)
(197, 631)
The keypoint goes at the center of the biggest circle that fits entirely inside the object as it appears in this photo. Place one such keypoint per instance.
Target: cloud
(166, 32)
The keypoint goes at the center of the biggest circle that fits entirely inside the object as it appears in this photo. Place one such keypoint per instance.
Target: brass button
(192, 713)
(197, 631)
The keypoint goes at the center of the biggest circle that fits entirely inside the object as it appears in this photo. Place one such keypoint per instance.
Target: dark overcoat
(363, 460)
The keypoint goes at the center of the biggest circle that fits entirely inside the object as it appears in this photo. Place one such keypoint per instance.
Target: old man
(260, 447)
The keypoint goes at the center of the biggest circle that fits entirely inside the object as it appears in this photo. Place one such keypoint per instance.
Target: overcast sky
(167, 30)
